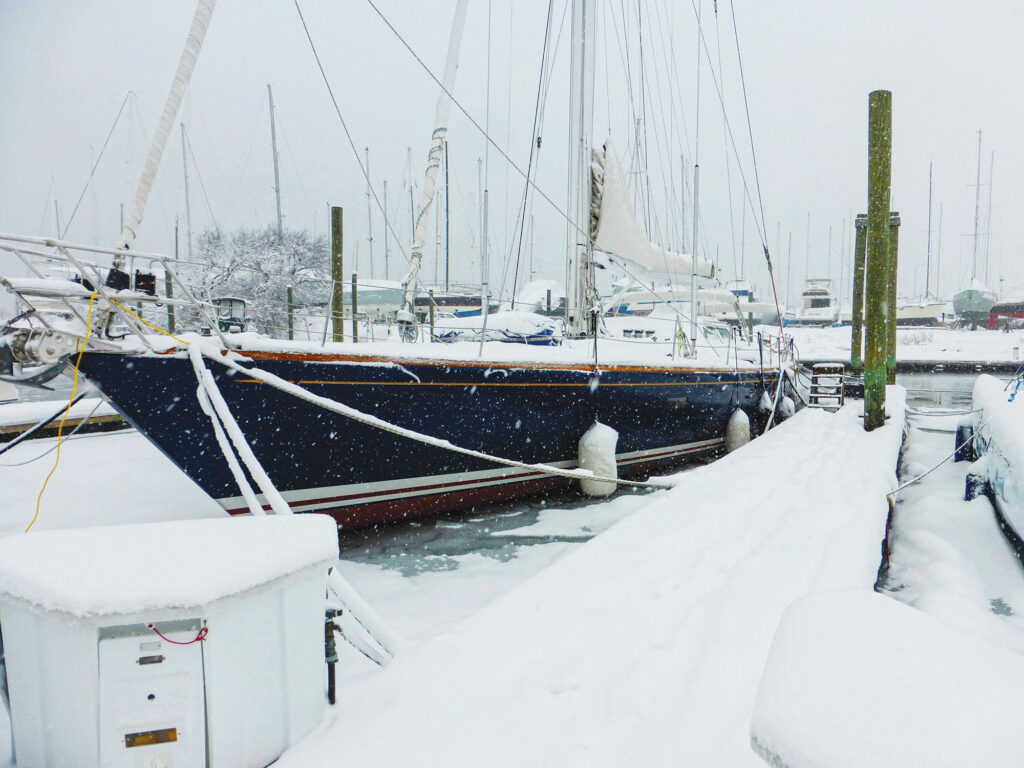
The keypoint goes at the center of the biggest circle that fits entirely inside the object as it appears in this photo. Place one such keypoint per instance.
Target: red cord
(197, 639)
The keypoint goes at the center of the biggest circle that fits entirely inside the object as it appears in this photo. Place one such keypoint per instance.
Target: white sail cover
(615, 231)
(193, 44)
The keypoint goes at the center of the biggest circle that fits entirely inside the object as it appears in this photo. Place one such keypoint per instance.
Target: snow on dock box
(193, 643)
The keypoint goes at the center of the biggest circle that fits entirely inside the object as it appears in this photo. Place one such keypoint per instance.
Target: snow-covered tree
(256, 265)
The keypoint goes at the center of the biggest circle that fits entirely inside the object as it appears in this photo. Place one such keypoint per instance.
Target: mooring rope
(356, 415)
(891, 495)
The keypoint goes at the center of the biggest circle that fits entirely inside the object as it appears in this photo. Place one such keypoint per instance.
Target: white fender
(737, 431)
(597, 453)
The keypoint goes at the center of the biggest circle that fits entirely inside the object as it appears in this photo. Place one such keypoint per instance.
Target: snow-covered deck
(645, 646)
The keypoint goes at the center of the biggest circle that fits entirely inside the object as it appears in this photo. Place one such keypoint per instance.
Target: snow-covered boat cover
(126, 569)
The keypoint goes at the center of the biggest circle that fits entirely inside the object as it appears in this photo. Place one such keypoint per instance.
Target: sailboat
(973, 304)
(369, 434)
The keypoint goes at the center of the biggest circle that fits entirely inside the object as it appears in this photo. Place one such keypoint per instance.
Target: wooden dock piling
(857, 320)
(891, 305)
(337, 276)
(878, 265)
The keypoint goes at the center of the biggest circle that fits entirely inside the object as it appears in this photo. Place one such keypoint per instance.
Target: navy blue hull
(325, 462)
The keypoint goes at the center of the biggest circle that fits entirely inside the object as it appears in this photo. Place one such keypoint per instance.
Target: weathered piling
(337, 276)
(891, 306)
(878, 237)
(430, 293)
(857, 321)
(291, 313)
(355, 308)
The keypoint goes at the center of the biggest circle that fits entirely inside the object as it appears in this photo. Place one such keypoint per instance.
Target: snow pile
(31, 413)
(857, 679)
(941, 345)
(517, 327)
(999, 424)
(534, 295)
(646, 645)
(948, 557)
(133, 568)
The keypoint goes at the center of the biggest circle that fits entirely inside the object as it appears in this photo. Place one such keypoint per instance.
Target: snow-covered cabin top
(127, 569)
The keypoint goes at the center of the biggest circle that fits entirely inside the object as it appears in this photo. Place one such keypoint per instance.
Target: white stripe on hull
(312, 499)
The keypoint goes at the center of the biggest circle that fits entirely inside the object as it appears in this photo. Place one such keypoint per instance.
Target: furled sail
(615, 231)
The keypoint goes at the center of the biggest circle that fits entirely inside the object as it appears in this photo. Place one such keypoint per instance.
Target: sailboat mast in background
(581, 118)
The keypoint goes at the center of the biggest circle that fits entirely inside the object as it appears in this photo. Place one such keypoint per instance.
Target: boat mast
(447, 219)
(277, 174)
(928, 258)
(405, 315)
(387, 275)
(581, 116)
(188, 206)
(988, 215)
(977, 200)
(187, 62)
(369, 211)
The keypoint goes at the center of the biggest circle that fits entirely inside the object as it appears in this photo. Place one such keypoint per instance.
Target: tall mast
(188, 207)
(369, 211)
(928, 259)
(696, 199)
(938, 259)
(433, 161)
(581, 117)
(387, 274)
(447, 219)
(988, 215)
(277, 174)
(187, 62)
(977, 199)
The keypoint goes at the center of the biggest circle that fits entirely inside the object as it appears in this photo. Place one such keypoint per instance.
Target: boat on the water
(372, 433)
(818, 303)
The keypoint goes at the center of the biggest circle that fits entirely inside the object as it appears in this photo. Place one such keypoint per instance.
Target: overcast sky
(953, 68)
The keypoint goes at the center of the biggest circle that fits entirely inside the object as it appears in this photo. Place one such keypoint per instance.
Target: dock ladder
(827, 389)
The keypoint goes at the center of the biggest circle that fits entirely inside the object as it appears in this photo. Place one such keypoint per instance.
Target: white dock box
(196, 643)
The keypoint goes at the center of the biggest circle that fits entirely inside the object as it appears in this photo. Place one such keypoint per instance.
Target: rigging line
(249, 145)
(95, 165)
(533, 147)
(295, 167)
(348, 135)
(202, 186)
(728, 163)
(579, 228)
(746, 105)
(732, 138)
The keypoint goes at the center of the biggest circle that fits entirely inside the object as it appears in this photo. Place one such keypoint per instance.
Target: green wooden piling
(337, 275)
(876, 293)
(857, 326)
(291, 313)
(891, 306)
(430, 293)
(355, 308)
(169, 285)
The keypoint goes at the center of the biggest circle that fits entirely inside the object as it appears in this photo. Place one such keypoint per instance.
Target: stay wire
(533, 148)
(472, 121)
(348, 134)
(95, 165)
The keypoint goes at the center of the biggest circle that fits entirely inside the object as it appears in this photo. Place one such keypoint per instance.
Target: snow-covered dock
(930, 671)
(646, 646)
(98, 414)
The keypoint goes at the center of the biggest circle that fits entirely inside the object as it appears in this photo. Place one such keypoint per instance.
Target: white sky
(953, 68)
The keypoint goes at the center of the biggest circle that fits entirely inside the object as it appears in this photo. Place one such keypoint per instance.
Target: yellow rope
(154, 327)
(71, 400)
